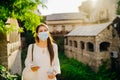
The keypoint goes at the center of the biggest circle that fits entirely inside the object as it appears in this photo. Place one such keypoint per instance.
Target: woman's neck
(42, 44)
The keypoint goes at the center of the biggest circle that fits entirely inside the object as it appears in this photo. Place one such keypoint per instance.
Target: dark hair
(49, 42)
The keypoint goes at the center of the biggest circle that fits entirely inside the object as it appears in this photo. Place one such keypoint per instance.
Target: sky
(60, 6)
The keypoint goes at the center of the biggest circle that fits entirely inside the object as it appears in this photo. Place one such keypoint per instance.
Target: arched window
(82, 44)
(75, 44)
(70, 43)
(90, 46)
(104, 46)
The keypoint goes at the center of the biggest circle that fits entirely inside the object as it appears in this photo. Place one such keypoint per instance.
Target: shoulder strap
(32, 51)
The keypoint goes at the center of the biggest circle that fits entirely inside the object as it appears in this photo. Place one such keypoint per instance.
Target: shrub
(5, 75)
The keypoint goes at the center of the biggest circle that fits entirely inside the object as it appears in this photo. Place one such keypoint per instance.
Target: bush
(5, 75)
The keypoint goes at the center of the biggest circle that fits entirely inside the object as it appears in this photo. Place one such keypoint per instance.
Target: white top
(41, 58)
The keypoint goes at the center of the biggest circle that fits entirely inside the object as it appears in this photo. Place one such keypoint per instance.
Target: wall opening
(82, 45)
(75, 44)
(70, 43)
(104, 46)
(90, 46)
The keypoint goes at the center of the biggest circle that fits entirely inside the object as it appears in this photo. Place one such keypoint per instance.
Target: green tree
(118, 7)
(22, 10)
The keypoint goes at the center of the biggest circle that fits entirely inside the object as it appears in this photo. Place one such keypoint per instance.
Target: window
(90, 46)
(75, 44)
(82, 45)
(66, 41)
(104, 46)
(108, 27)
(70, 43)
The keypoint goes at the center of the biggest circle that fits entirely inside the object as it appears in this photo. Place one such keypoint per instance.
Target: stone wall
(110, 35)
(14, 57)
(3, 50)
(10, 54)
(10, 48)
(82, 55)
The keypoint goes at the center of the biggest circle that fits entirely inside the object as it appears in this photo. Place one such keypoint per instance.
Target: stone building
(62, 23)
(92, 44)
(10, 44)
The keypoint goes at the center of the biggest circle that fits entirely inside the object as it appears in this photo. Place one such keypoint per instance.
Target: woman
(43, 64)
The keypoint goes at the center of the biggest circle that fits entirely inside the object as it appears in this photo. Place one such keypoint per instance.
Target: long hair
(49, 42)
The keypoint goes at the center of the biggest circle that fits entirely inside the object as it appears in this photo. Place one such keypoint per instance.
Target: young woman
(43, 64)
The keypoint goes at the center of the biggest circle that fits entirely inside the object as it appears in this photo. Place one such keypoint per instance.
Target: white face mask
(43, 35)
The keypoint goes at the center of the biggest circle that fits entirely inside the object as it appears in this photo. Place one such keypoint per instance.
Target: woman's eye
(41, 31)
(45, 30)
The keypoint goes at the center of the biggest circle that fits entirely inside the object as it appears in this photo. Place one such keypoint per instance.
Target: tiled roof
(90, 30)
(65, 16)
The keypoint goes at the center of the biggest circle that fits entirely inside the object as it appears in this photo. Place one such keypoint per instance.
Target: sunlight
(94, 2)
(61, 6)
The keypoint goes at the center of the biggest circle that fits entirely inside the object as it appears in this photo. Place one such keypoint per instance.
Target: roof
(90, 30)
(65, 16)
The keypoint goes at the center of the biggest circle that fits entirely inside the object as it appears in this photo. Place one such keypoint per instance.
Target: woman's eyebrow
(46, 29)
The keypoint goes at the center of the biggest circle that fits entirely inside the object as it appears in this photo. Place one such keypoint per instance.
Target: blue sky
(60, 6)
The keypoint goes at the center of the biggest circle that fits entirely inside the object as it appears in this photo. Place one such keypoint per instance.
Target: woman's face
(42, 33)
(42, 29)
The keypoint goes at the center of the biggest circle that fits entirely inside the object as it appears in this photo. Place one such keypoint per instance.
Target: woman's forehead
(42, 27)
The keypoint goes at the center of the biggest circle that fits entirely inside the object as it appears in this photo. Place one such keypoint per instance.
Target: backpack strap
(32, 51)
